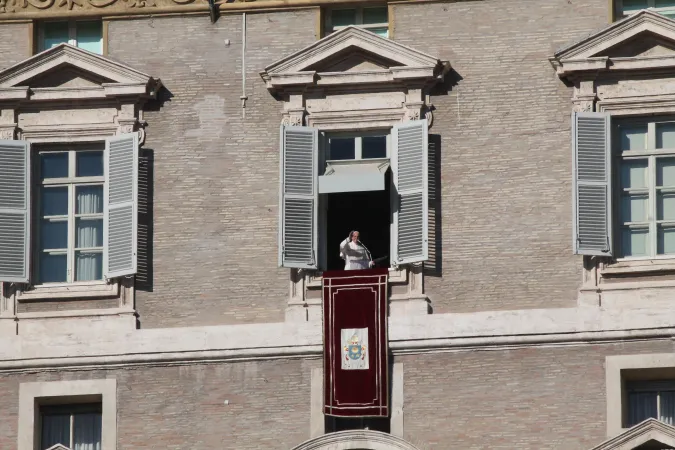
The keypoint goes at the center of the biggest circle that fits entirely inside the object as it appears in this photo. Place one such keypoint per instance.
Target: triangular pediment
(644, 34)
(651, 434)
(58, 447)
(69, 68)
(364, 55)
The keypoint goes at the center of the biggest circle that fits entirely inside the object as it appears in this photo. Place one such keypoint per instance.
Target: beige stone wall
(216, 174)
(506, 154)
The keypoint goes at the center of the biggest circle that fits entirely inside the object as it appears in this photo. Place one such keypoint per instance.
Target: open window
(373, 181)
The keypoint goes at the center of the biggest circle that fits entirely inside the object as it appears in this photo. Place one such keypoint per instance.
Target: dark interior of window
(367, 212)
(335, 424)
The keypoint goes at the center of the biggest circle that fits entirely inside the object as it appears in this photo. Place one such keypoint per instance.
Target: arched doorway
(356, 440)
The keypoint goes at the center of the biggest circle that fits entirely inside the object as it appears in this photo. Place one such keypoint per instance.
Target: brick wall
(183, 407)
(215, 173)
(506, 157)
(539, 398)
(14, 43)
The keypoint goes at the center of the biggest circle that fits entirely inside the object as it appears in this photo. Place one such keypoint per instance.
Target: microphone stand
(370, 257)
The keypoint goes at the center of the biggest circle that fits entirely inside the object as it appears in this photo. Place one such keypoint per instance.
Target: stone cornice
(43, 9)
(493, 330)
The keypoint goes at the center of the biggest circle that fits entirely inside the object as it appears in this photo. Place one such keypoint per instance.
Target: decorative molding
(648, 431)
(356, 439)
(43, 9)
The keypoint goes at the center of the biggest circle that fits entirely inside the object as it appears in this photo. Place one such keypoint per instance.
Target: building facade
(162, 242)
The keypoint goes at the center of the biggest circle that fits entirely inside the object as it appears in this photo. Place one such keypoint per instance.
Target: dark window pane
(54, 201)
(53, 165)
(342, 148)
(53, 268)
(374, 147)
(641, 406)
(343, 17)
(87, 430)
(89, 36)
(89, 164)
(55, 430)
(375, 15)
(54, 33)
(53, 235)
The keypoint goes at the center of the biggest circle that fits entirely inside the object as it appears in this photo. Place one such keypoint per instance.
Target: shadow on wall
(144, 274)
(434, 265)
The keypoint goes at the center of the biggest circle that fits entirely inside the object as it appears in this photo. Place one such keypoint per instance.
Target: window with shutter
(14, 211)
(592, 184)
(410, 172)
(121, 205)
(298, 237)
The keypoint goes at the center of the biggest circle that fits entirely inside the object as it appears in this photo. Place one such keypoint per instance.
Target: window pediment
(649, 434)
(66, 73)
(353, 56)
(643, 41)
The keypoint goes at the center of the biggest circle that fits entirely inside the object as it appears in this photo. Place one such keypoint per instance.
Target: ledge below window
(99, 289)
(399, 275)
(637, 267)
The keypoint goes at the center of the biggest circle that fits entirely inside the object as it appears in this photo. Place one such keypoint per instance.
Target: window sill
(98, 289)
(636, 267)
(395, 276)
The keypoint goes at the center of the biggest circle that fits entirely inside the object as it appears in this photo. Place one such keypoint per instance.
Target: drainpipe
(243, 97)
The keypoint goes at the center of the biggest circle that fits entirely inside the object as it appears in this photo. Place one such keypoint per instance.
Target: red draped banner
(356, 363)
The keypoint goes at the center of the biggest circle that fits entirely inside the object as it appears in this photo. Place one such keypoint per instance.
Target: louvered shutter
(14, 211)
(410, 170)
(298, 197)
(592, 184)
(121, 205)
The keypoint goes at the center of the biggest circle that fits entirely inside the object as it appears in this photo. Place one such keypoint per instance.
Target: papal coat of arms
(354, 348)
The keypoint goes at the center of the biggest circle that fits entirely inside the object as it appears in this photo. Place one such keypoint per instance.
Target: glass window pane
(635, 4)
(53, 268)
(375, 15)
(667, 413)
(664, 3)
(665, 206)
(53, 165)
(641, 406)
(53, 235)
(89, 233)
(89, 199)
(665, 135)
(666, 241)
(374, 147)
(90, 36)
(87, 431)
(55, 430)
(54, 201)
(634, 173)
(634, 208)
(384, 32)
(343, 17)
(342, 148)
(665, 171)
(89, 164)
(633, 137)
(634, 242)
(88, 266)
(54, 33)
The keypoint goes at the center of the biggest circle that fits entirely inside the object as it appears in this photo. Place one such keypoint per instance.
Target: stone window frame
(32, 394)
(37, 32)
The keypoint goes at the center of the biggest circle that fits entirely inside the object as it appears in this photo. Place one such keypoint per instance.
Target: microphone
(370, 257)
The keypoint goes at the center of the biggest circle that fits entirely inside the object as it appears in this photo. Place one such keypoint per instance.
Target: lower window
(70, 214)
(77, 427)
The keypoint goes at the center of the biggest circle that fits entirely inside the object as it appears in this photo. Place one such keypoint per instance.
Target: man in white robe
(355, 254)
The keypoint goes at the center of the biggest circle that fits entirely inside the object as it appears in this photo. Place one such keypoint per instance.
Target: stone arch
(356, 440)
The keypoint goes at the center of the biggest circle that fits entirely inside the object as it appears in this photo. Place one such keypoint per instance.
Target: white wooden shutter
(121, 205)
(298, 197)
(409, 165)
(14, 211)
(592, 184)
